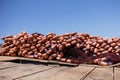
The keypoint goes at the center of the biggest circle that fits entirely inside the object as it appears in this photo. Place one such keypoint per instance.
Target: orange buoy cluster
(63, 47)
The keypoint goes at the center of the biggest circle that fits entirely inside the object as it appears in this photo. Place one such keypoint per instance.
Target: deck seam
(7, 67)
(83, 78)
(113, 73)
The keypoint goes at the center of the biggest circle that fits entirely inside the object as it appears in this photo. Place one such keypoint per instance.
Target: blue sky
(96, 17)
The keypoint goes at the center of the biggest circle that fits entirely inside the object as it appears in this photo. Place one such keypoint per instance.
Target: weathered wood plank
(116, 73)
(5, 65)
(21, 70)
(49, 62)
(46, 74)
(60, 73)
(7, 58)
(101, 74)
(72, 74)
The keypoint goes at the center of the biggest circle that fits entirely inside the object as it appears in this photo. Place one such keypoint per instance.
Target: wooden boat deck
(26, 70)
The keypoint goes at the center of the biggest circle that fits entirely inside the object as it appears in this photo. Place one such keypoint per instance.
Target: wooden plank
(60, 73)
(72, 74)
(36, 60)
(5, 65)
(116, 73)
(8, 58)
(49, 62)
(68, 64)
(21, 71)
(115, 65)
(100, 74)
(89, 65)
(46, 74)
